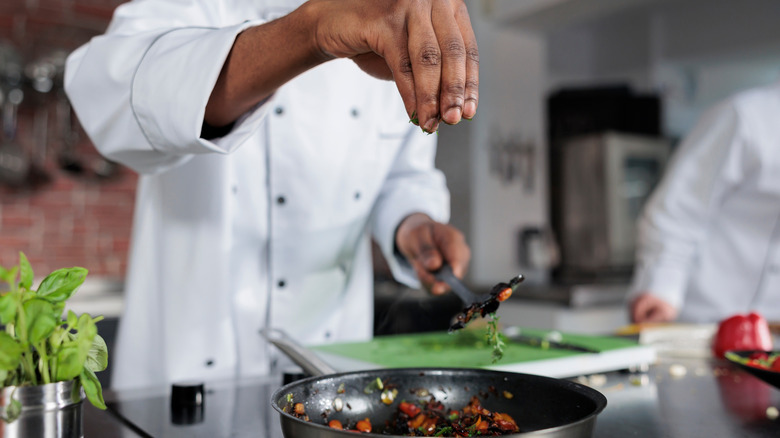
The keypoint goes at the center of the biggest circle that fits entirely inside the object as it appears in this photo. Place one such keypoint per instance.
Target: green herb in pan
(494, 338)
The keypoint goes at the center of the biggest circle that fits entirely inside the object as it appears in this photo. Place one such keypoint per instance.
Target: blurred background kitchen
(582, 104)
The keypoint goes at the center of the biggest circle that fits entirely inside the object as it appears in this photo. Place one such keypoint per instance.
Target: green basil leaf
(61, 284)
(87, 326)
(41, 319)
(8, 308)
(55, 340)
(87, 330)
(69, 363)
(26, 272)
(73, 319)
(8, 275)
(92, 388)
(28, 294)
(10, 352)
(97, 359)
(59, 309)
(41, 328)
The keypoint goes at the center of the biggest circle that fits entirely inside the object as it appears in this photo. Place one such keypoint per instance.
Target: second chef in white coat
(268, 224)
(709, 242)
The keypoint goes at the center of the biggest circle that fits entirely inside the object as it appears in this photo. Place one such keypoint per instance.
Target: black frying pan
(541, 406)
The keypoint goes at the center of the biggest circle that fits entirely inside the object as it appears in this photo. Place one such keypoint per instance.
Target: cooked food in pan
(428, 417)
(453, 402)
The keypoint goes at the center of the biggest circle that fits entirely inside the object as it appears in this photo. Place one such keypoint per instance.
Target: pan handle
(303, 357)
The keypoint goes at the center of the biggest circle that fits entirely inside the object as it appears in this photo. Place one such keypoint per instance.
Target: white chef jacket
(268, 226)
(708, 238)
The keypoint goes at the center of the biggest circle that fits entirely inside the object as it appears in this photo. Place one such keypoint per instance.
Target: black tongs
(475, 304)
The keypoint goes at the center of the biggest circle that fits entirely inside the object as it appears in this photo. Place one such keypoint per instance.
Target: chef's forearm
(262, 59)
(426, 46)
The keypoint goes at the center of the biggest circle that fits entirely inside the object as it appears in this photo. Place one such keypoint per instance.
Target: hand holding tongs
(482, 304)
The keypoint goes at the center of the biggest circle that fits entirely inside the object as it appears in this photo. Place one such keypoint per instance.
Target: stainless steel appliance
(604, 182)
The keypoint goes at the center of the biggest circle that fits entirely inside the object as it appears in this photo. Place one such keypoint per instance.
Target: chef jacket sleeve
(674, 221)
(140, 90)
(414, 185)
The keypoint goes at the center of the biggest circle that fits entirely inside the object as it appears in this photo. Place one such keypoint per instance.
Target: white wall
(494, 204)
(694, 52)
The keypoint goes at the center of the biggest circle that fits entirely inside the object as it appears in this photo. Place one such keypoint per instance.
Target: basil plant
(39, 346)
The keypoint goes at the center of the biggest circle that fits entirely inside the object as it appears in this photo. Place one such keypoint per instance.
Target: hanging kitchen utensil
(41, 75)
(10, 66)
(67, 158)
(38, 176)
(475, 304)
(14, 164)
(541, 406)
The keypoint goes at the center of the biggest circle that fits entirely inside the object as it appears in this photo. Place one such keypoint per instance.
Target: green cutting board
(468, 349)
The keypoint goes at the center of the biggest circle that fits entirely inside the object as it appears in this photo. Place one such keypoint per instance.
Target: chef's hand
(427, 244)
(649, 308)
(427, 47)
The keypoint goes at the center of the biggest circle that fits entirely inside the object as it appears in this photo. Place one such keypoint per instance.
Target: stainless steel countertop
(712, 399)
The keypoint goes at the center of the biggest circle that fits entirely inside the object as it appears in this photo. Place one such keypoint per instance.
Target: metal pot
(53, 410)
(541, 406)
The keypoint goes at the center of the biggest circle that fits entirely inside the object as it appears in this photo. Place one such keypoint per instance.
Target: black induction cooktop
(224, 409)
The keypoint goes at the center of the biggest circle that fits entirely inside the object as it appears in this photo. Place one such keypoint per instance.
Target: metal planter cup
(53, 410)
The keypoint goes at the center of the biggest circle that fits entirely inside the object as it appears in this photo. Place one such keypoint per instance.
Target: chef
(709, 242)
(270, 154)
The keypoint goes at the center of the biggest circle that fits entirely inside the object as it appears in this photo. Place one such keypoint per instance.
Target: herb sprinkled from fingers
(494, 338)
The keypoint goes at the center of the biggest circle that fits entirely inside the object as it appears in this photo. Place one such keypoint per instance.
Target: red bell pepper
(742, 332)
(409, 409)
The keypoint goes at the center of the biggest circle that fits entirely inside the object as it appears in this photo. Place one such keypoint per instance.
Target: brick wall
(66, 213)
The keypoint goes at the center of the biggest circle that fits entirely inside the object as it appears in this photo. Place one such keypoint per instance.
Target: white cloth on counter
(709, 237)
(268, 226)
